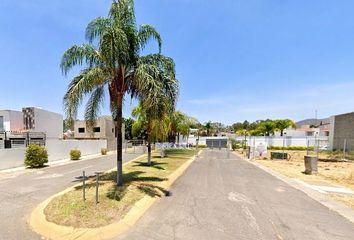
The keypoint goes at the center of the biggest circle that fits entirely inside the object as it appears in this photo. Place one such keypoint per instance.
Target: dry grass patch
(337, 173)
(114, 202)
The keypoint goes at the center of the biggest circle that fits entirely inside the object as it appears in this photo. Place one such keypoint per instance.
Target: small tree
(36, 156)
(282, 124)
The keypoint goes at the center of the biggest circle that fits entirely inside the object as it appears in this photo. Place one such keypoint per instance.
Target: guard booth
(216, 142)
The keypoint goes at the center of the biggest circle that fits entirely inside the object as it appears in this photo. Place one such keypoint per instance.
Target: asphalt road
(21, 191)
(220, 198)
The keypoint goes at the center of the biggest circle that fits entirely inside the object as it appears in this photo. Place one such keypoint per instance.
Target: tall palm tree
(113, 63)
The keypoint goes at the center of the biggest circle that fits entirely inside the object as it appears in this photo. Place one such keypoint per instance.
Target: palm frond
(97, 27)
(93, 106)
(78, 55)
(147, 33)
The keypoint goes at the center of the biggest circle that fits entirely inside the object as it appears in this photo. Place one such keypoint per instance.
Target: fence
(312, 146)
(21, 140)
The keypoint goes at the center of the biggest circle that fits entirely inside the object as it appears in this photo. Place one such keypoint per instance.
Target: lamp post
(284, 135)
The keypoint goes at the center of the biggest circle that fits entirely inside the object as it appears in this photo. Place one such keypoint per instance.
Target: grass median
(114, 202)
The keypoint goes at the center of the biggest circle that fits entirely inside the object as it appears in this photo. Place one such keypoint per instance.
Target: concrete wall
(288, 141)
(57, 150)
(342, 131)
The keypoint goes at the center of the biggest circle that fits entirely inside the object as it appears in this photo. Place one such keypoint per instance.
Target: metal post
(212, 143)
(219, 144)
(97, 180)
(345, 148)
(318, 148)
(83, 185)
(283, 146)
(308, 145)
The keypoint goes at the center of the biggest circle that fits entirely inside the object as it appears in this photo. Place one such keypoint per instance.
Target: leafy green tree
(208, 127)
(113, 63)
(266, 127)
(153, 114)
(282, 124)
(128, 125)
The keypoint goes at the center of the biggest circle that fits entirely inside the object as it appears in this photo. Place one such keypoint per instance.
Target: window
(81, 130)
(97, 129)
(112, 130)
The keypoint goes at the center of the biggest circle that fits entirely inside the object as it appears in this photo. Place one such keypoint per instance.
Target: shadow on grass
(117, 193)
(153, 190)
(156, 165)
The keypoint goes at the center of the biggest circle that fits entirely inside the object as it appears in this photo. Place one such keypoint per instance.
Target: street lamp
(284, 135)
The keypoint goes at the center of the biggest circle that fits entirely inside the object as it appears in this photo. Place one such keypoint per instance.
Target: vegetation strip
(121, 201)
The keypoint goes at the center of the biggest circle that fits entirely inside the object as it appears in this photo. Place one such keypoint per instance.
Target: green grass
(114, 202)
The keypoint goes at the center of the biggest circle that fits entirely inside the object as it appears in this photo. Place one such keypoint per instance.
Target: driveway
(221, 198)
(21, 191)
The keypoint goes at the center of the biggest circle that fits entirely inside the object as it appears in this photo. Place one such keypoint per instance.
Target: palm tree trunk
(119, 141)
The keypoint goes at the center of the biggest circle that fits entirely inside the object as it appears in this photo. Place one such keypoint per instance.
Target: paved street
(21, 191)
(220, 198)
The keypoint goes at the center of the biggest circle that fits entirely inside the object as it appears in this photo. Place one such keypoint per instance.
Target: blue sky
(236, 59)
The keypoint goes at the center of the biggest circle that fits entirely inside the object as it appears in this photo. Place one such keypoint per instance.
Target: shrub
(104, 151)
(36, 156)
(292, 148)
(75, 154)
(201, 146)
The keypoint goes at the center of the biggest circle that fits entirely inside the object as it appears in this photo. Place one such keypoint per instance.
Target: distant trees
(262, 127)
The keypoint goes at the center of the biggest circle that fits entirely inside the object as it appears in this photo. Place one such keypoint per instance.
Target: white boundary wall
(57, 150)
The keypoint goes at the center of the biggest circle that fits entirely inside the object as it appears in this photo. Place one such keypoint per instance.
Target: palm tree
(113, 63)
(282, 124)
(180, 124)
(208, 127)
(154, 119)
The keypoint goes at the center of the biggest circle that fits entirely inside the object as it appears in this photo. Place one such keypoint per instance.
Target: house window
(97, 129)
(309, 134)
(112, 130)
(81, 130)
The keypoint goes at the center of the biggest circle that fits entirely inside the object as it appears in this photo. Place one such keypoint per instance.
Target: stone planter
(310, 164)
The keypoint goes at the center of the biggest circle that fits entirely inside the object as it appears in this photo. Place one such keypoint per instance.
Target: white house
(11, 121)
(39, 120)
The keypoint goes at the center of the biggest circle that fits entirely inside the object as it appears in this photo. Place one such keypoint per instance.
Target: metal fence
(21, 140)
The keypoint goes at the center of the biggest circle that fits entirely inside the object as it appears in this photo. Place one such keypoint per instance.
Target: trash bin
(310, 164)
(8, 144)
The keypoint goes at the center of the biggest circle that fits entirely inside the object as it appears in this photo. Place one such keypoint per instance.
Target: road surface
(22, 191)
(220, 198)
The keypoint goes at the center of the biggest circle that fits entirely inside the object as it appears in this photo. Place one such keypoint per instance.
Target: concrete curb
(323, 199)
(53, 231)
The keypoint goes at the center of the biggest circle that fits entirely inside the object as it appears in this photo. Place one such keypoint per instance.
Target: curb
(50, 230)
(323, 199)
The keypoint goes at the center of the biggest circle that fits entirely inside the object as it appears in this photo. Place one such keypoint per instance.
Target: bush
(104, 151)
(201, 146)
(36, 156)
(292, 148)
(75, 154)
